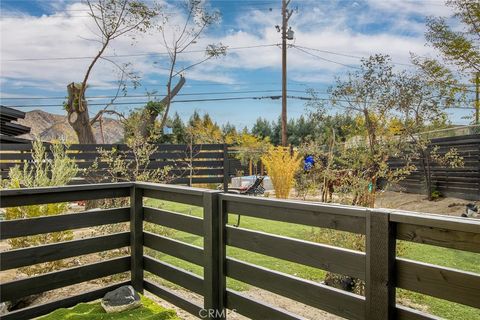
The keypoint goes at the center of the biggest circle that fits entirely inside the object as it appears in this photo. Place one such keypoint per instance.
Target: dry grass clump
(281, 165)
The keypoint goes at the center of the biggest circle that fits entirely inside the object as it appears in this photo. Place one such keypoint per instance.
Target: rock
(121, 299)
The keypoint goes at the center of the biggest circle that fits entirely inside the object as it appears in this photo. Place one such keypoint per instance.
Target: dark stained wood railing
(379, 267)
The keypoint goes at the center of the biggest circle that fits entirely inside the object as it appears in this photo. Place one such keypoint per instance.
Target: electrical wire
(133, 54)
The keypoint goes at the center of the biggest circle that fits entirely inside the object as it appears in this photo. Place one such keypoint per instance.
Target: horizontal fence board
(173, 247)
(254, 309)
(440, 237)
(449, 232)
(51, 252)
(344, 218)
(173, 274)
(170, 296)
(444, 283)
(58, 279)
(154, 164)
(120, 147)
(405, 313)
(32, 226)
(170, 219)
(45, 308)
(198, 180)
(320, 296)
(124, 155)
(180, 194)
(329, 258)
(32, 196)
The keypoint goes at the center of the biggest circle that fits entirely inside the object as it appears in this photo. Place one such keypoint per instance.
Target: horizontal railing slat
(441, 237)
(32, 226)
(338, 260)
(173, 274)
(317, 295)
(187, 195)
(170, 219)
(255, 309)
(444, 283)
(42, 309)
(170, 296)
(174, 248)
(51, 252)
(58, 279)
(405, 313)
(31, 196)
(344, 218)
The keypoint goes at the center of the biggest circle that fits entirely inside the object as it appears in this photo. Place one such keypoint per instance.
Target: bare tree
(113, 19)
(177, 38)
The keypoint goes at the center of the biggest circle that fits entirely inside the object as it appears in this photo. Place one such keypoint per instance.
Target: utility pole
(477, 98)
(286, 34)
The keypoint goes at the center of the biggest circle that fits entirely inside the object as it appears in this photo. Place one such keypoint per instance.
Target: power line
(175, 101)
(324, 59)
(133, 54)
(154, 95)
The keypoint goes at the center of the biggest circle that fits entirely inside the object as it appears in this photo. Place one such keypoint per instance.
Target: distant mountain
(49, 126)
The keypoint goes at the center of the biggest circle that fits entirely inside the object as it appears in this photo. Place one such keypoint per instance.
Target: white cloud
(323, 25)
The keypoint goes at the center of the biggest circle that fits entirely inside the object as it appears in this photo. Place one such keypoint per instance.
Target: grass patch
(150, 310)
(419, 252)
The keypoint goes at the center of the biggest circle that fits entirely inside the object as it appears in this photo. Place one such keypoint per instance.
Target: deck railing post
(214, 292)
(226, 169)
(380, 261)
(136, 237)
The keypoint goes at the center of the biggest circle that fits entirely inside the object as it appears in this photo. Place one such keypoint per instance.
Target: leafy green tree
(262, 128)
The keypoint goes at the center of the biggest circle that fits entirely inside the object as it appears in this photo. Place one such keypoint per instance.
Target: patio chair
(254, 189)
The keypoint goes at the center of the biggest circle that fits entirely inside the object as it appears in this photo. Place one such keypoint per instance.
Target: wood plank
(444, 283)
(254, 309)
(136, 238)
(31, 196)
(198, 180)
(380, 263)
(441, 237)
(27, 227)
(174, 220)
(329, 258)
(170, 296)
(183, 278)
(405, 313)
(186, 195)
(56, 251)
(435, 221)
(211, 247)
(173, 247)
(339, 217)
(58, 279)
(45, 308)
(317, 295)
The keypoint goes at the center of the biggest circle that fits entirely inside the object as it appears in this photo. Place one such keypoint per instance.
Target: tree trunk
(77, 115)
(427, 173)
(150, 115)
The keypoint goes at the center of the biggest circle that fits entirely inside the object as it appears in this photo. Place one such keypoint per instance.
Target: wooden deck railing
(379, 267)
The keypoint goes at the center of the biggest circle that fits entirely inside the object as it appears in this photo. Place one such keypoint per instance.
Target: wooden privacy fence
(379, 267)
(206, 163)
(463, 182)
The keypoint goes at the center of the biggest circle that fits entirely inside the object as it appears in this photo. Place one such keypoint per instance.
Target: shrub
(42, 172)
(281, 165)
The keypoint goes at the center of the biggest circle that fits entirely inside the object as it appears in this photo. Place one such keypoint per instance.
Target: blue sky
(336, 33)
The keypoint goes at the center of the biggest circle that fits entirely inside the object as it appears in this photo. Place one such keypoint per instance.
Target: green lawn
(94, 311)
(441, 256)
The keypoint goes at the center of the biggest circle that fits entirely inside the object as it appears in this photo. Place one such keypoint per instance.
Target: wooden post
(226, 169)
(213, 257)
(380, 261)
(136, 237)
